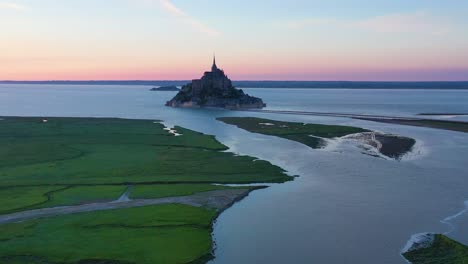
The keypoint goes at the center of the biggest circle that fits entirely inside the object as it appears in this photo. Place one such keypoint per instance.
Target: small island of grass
(439, 250)
(315, 135)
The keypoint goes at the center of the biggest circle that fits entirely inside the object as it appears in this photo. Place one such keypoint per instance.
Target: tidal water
(345, 207)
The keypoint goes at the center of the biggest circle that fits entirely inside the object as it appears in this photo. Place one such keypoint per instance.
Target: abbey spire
(214, 67)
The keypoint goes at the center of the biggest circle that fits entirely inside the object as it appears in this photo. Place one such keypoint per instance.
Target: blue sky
(174, 39)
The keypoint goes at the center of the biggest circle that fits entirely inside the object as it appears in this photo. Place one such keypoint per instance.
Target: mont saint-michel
(214, 89)
(206, 132)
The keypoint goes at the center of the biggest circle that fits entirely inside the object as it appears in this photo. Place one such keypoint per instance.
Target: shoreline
(219, 212)
(425, 240)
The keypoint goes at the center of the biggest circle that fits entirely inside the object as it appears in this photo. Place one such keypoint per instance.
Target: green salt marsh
(50, 162)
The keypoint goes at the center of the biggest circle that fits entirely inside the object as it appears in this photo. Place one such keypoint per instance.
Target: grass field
(146, 235)
(73, 161)
(169, 190)
(443, 251)
(115, 151)
(299, 132)
(22, 198)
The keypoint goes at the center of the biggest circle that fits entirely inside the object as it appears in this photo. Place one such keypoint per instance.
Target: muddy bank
(219, 200)
(391, 146)
(394, 146)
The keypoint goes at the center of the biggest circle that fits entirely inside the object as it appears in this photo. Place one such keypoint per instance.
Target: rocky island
(214, 89)
(171, 88)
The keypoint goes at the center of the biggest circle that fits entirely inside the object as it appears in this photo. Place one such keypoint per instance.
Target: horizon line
(265, 80)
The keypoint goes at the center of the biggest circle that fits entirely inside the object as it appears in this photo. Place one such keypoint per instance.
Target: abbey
(214, 89)
(215, 79)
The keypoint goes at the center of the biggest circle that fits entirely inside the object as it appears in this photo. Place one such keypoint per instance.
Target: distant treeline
(274, 84)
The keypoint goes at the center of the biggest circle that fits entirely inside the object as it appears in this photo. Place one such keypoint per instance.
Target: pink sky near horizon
(234, 71)
(102, 64)
(349, 75)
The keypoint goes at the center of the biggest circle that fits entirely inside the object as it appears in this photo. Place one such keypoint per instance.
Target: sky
(378, 40)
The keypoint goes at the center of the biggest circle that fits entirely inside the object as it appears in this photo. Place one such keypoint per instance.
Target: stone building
(214, 89)
(215, 79)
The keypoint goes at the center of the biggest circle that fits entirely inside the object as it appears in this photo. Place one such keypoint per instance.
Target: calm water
(385, 102)
(344, 208)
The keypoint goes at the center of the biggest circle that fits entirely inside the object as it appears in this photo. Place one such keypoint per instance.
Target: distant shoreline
(455, 85)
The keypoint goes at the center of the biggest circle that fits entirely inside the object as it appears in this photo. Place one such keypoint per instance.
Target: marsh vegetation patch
(442, 250)
(317, 136)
